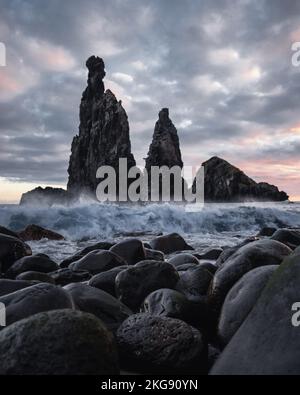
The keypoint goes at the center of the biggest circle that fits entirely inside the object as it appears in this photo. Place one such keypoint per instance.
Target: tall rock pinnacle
(103, 133)
(164, 149)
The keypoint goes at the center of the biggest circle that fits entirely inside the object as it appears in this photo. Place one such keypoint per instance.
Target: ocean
(216, 225)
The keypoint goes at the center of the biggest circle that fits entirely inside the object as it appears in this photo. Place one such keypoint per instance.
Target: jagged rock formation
(226, 183)
(164, 149)
(45, 197)
(103, 133)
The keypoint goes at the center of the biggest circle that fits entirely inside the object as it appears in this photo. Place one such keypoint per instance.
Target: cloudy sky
(222, 67)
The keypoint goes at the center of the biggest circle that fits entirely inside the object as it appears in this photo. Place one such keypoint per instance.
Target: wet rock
(253, 255)
(267, 343)
(102, 245)
(266, 232)
(170, 243)
(154, 255)
(194, 283)
(136, 282)
(98, 261)
(95, 301)
(35, 232)
(35, 276)
(155, 344)
(212, 254)
(9, 286)
(11, 249)
(35, 299)
(103, 134)
(132, 251)
(212, 268)
(8, 232)
(289, 237)
(36, 263)
(229, 251)
(168, 303)
(66, 343)
(106, 280)
(183, 258)
(185, 267)
(66, 276)
(241, 299)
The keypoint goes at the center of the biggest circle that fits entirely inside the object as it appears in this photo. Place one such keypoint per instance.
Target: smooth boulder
(11, 249)
(194, 283)
(154, 344)
(106, 280)
(35, 232)
(8, 286)
(95, 301)
(136, 282)
(36, 276)
(36, 263)
(102, 245)
(289, 237)
(132, 251)
(61, 342)
(241, 299)
(66, 276)
(252, 255)
(35, 299)
(168, 303)
(98, 261)
(268, 341)
(182, 259)
(170, 243)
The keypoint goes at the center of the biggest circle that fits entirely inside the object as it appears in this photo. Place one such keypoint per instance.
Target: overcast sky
(222, 67)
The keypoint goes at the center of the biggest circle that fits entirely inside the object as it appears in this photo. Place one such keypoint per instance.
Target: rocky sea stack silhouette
(104, 138)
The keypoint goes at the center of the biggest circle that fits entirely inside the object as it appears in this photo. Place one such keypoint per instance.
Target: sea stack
(164, 149)
(103, 133)
(224, 182)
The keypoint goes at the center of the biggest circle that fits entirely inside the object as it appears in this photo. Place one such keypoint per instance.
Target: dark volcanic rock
(45, 197)
(11, 249)
(241, 299)
(210, 254)
(194, 283)
(170, 243)
(155, 344)
(95, 301)
(9, 286)
(103, 133)
(36, 276)
(268, 340)
(66, 276)
(106, 280)
(132, 251)
(36, 263)
(98, 261)
(226, 183)
(66, 343)
(164, 149)
(35, 232)
(289, 237)
(136, 282)
(102, 245)
(168, 303)
(35, 299)
(154, 255)
(8, 232)
(182, 259)
(266, 231)
(253, 255)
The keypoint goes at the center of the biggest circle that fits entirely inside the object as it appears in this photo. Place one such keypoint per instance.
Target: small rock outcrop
(45, 197)
(226, 183)
(103, 133)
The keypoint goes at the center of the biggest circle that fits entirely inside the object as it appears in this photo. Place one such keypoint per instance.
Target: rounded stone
(97, 261)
